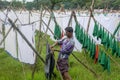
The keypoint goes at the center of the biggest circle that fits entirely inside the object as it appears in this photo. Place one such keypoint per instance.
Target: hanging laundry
(81, 35)
(96, 53)
(104, 40)
(103, 57)
(114, 47)
(85, 41)
(25, 53)
(107, 40)
(116, 29)
(99, 56)
(104, 61)
(77, 31)
(57, 32)
(2, 33)
(89, 44)
(100, 32)
(118, 36)
(111, 42)
(107, 64)
(103, 36)
(11, 41)
(95, 29)
(103, 32)
(50, 63)
(92, 51)
(117, 48)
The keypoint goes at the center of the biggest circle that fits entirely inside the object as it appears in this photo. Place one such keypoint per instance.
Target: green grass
(12, 69)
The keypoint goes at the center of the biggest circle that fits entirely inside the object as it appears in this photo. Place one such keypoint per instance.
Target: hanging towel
(57, 32)
(10, 41)
(25, 53)
(95, 29)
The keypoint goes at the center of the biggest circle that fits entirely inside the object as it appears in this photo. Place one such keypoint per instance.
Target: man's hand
(51, 48)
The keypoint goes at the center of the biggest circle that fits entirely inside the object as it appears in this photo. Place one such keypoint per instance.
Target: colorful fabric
(104, 61)
(110, 42)
(57, 32)
(92, 50)
(95, 29)
(100, 32)
(114, 47)
(77, 31)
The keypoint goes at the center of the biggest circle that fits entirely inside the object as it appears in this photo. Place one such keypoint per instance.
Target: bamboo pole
(14, 26)
(7, 34)
(38, 45)
(91, 10)
(16, 16)
(95, 74)
(29, 17)
(70, 18)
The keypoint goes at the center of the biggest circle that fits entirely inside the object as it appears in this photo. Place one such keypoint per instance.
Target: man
(66, 49)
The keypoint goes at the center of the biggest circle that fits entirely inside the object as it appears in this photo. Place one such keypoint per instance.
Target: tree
(16, 4)
(3, 4)
(116, 4)
(30, 5)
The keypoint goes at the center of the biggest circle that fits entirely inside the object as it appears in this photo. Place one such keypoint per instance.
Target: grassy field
(12, 69)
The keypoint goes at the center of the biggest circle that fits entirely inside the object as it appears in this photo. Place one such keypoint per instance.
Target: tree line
(56, 4)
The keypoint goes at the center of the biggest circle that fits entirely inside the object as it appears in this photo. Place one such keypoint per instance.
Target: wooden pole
(22, 35)
(38, 45)
(7, 34)
(91, 10)
(29, 17)
(70, 18)
(16, 16)
(85, 65)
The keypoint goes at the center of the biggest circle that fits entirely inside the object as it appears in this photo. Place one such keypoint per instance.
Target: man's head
(69, 32)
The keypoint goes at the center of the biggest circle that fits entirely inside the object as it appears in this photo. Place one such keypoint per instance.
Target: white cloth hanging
(25, 53)
(10, 41)
(1, 35)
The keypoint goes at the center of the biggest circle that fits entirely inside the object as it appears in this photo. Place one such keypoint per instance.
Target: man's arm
(58, 42)
(54, 45)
